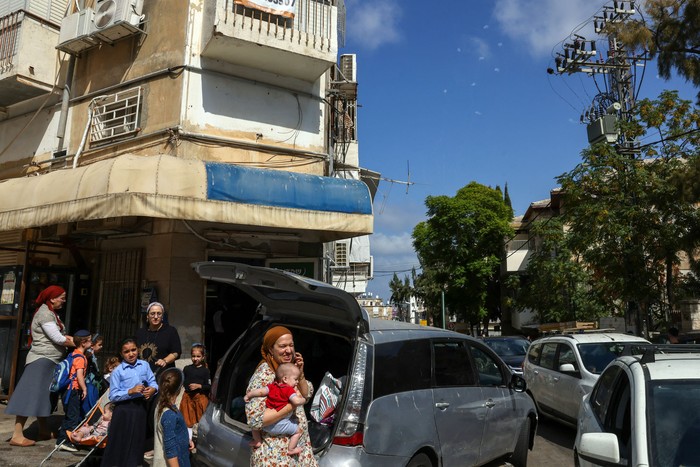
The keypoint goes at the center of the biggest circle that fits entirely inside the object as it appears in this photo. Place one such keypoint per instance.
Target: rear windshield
(509, 347)
(596, 356)
(673, 422)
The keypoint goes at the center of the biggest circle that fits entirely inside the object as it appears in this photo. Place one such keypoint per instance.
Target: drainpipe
(61, 132)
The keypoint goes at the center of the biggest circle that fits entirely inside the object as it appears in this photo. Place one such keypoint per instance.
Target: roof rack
(650, 350)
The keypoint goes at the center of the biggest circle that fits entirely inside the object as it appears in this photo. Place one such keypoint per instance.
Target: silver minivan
(412, 395)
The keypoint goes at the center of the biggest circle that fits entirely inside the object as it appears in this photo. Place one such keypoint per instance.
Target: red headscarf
(48, 294)
(44, 298)
(271, 336)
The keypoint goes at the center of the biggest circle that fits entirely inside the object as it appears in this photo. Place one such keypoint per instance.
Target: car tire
(420, 460)
(519, 457)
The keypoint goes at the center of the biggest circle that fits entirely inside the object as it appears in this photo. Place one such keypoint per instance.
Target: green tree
(460, 248)
(401, 292)
(556, 286)
(627, 217)
(670, 31)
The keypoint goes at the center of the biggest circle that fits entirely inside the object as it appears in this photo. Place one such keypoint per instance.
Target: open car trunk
(325, 322)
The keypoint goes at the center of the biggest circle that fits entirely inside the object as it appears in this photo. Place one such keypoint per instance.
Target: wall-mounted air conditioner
(116, 19)
(341, 255)
(348, 67)
(75, 32)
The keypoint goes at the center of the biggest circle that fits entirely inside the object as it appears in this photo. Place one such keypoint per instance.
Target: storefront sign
(284, 8)
(9, 282)
(301, 267)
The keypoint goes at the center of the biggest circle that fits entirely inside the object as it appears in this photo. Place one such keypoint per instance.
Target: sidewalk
(32, 456)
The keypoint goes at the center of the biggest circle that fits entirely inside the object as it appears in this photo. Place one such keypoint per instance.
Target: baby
(279, 393)
(97, 430)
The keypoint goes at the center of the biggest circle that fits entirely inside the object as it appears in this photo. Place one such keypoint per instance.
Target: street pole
(442, 294)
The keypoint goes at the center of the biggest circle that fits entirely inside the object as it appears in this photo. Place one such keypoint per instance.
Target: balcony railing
(302, 46)
(9, 38)
(312, 24)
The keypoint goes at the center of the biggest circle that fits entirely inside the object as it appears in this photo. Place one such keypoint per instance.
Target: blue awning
(226, 182)
(317, 208)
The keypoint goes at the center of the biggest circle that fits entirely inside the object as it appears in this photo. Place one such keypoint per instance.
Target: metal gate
(119, 301)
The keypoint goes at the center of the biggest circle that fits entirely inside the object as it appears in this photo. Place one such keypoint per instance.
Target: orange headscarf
(269, 340)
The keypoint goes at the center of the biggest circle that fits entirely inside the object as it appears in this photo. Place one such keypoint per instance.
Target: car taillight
(350, 430)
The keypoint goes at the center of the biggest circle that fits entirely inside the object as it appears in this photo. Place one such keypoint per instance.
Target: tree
(670, 31)
(460, 248)
(556, 286)
(627, 217)
(400, 295)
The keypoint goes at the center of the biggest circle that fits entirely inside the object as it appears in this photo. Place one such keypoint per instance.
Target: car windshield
(673, 419)
(509, 347)
(596, 356)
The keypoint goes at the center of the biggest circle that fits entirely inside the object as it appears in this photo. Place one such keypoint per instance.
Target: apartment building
(138, 137)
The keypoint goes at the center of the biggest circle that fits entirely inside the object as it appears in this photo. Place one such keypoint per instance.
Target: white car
(559, 370)
(643, 411)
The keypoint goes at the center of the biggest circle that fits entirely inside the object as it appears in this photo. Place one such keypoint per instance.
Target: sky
(454, 92)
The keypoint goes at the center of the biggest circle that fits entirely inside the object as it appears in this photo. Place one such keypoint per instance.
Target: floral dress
(273, 451)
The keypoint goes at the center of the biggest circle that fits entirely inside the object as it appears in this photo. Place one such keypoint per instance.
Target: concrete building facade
(139, 137)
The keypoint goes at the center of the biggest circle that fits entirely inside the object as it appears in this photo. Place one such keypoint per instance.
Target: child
(93, 377)
(281, 392)
(132, 383)
(197, 385)
(173, 444)
(76, 390)
(110, 365)
(98, 430)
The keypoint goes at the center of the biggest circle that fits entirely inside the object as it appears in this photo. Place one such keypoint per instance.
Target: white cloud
(400, 244)
(496, 69)
(476, 112)
(542, 24)
(373, 24)
(480, 47)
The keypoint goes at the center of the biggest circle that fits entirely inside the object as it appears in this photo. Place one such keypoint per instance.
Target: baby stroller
(92, 442)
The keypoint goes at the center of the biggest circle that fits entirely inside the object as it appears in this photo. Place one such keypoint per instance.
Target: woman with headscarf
(31, 397)
(159, 345)
(278, 348)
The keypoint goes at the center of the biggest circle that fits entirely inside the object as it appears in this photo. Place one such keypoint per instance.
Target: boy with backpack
(76, 390)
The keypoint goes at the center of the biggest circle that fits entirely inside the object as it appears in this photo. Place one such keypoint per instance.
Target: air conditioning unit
(348, 67)
(341, 255)
(75, 32)
(117, 19)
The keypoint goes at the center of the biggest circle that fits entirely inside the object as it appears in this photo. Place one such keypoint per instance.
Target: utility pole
(615, 100)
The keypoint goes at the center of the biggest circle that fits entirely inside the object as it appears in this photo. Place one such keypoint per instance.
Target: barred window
(115, 116)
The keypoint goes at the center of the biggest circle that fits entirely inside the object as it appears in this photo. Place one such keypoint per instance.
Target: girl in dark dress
(132, 383)
(197, 385)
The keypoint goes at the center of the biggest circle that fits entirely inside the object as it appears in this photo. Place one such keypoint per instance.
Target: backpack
(61, 374)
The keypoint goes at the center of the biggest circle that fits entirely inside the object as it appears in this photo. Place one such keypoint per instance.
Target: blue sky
(459, 92)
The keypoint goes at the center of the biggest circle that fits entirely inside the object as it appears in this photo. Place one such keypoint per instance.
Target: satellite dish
(105, 13)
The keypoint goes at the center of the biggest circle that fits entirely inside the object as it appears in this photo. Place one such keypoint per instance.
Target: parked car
(511, 349)
(643, 411)
(413, 395)
(560, 370)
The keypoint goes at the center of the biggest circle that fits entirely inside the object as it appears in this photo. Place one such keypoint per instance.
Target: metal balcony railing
(312, 24)
(9, 37)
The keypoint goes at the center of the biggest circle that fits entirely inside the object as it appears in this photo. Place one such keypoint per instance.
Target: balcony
(27, 57)
(303, 46)
(518, 256)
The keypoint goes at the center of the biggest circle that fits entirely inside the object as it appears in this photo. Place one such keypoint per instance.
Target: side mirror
(567, 368)
(517, 383)
(601, 447)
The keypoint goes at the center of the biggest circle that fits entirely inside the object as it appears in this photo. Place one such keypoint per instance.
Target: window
(115, 116)
(401, 366)
(600, 398)
(533, 355)
(567, 355)
(487, 368)
(452, 365)
(549, 350)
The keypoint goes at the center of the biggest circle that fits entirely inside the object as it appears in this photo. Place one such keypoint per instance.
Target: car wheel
(420, 460)
(519, 457)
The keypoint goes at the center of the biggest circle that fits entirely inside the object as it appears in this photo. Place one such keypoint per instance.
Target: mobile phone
(145, 383)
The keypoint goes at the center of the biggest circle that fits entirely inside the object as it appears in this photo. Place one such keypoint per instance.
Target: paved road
(553, 446)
